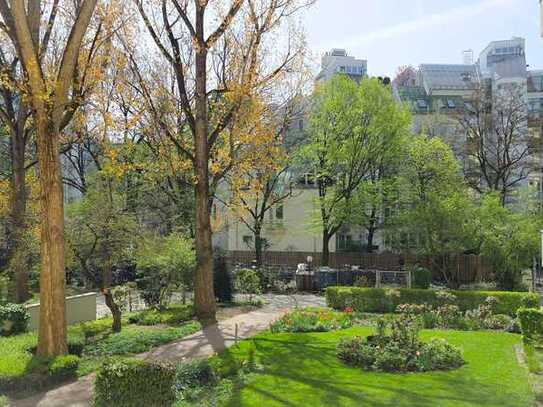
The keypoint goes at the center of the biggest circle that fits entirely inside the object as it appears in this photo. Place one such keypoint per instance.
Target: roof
(448, 76)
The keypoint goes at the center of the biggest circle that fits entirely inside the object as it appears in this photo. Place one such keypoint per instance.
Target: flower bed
(399, 351)
(313, 320)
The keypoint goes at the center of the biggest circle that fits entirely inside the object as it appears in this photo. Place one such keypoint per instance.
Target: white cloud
(455, 15)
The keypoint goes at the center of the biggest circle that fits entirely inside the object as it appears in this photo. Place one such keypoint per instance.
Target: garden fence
(465, 269)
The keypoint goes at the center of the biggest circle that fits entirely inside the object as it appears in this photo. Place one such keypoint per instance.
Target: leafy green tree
(101, 232)
(436, 212)
(351, 127)
(164, 264)
(378, 193)
(510, 239)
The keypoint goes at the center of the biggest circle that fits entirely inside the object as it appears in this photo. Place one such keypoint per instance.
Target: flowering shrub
(449, 316)
(312, 320)
(401, 351)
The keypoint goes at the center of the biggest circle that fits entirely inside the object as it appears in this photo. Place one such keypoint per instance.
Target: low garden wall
(382, 300)
(79, 308)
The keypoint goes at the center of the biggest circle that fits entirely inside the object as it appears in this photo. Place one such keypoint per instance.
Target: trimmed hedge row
(132, 383)
(531, 323)
(382, 300)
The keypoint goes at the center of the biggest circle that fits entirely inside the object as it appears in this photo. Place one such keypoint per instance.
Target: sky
(391, 33)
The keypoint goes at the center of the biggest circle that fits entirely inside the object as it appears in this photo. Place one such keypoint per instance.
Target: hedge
(63, 366)
(134, 383)
(382, 300)
(531, 323)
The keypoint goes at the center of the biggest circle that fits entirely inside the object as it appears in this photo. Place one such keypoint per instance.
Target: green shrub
(173, 315)
(319, 320)
(164, 264)
(76, 344)
(63, 366)
(382, 300)
(134, 339)
(13, 319)
(192, 376)
(247, 281)
(422, 277)
(501, 322)
(4, 401)
(401, 351)
(91, 329)
(531, 323)
(134, 383)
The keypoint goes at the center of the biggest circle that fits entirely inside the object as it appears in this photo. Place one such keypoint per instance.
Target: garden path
(204, 343)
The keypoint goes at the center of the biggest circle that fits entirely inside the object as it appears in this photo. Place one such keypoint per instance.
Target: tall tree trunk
(114, 308)
(52, 330)
(17, 220)
(204, 296)
(258, 247)
(325, 247)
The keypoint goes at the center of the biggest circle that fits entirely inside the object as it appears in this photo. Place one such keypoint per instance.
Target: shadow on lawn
(309, 366)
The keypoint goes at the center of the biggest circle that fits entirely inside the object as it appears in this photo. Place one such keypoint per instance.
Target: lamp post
(541, 232)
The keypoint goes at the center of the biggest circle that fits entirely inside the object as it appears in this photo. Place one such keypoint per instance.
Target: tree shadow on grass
(303, 365)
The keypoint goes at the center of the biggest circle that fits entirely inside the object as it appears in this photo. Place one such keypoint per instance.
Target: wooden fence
(464, 269)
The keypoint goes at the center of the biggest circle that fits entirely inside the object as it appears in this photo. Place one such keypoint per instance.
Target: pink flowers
(348, 309)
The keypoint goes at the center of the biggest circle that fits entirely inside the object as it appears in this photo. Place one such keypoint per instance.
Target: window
(421, 104)
(341, 69)
(451, 104)
(279, 212)
(301, 125)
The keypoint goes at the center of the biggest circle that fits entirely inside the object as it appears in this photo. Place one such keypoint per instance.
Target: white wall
(79, 308)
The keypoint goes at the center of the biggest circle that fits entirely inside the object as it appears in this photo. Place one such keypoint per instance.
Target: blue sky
(390, 33)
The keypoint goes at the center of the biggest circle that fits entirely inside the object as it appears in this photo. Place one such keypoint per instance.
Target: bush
(193, 375)
(382, 300)
(222, 283)
(531, 323)
(63, 366)
(173, 315)
(438, 354)
(500, 322)
(321, 320)
(91, 329)
(422, 277)
(76, 344)
(13, 319)
(134, 383)
(401, 351)
(164, 264)
(247, 282)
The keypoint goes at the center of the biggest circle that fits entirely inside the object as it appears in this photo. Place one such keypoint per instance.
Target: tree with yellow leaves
(53, 81)
(217, 71)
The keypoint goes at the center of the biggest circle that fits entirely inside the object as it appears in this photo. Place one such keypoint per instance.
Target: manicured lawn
(302, 370)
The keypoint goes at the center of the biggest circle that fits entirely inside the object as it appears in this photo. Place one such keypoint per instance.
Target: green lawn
(302, 370)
